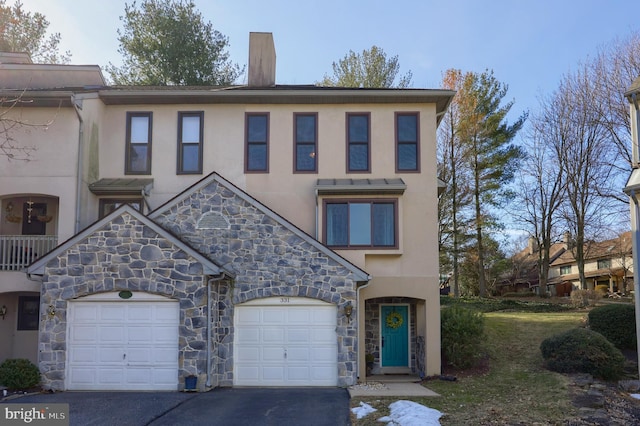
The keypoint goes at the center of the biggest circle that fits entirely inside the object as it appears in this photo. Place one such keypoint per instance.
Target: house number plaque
(284, 300)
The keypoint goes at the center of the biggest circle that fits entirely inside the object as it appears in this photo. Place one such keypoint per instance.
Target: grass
(514, 388)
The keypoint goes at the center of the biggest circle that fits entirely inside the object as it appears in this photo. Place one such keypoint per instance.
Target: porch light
(348, 310)
(3, 311)
(51, 311)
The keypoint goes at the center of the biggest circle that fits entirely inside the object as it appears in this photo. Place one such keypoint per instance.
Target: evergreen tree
(167, 42)
(371, 68)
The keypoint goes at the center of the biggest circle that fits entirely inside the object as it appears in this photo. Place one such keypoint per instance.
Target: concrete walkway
(392, 386)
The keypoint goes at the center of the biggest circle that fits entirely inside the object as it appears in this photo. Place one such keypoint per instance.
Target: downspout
(360, 342)
(79, 162)
(317, 211)
(636, 149)
(212, 280)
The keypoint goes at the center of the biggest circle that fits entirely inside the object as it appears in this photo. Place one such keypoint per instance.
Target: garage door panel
(323, 354)
(273, 316)
(247, 335)
(84, 334)
(111, 375)
(112, 312)
(298, 354)
(140, 312)
(273, 373)
(291, 343)
(140, 333)
(273, 336)
(299, 316)
(110, 354)
(272, 354)
(85, 313)
(301, 336)
(131, 345)
(111, 334)
(248, 354)
(84, 354)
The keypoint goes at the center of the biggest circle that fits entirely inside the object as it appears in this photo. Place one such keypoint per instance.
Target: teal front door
(394, 336)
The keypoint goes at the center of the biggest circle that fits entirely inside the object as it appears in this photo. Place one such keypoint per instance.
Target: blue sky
(528, 44)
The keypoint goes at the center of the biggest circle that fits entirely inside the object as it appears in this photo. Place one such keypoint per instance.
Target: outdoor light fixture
(3, 311)
(348, 310)
(51, 310)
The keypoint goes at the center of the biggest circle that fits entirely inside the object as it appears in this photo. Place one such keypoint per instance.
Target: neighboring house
(38, 198)
(258, 235)
(607, 263)
(524, 276)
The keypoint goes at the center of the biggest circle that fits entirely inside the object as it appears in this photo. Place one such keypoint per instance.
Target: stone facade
(268, 256)
(123, 255)
(268, 259)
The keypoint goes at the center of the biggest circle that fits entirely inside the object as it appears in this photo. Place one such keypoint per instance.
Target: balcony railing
(19, 251)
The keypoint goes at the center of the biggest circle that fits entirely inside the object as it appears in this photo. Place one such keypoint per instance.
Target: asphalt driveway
(226, 406)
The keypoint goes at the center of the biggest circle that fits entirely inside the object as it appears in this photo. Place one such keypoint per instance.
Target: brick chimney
(262, 60)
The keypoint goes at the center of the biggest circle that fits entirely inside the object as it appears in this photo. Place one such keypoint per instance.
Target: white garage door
(285, 341)
(116, 344)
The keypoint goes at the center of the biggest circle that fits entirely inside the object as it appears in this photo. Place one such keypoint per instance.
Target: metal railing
(19, 251)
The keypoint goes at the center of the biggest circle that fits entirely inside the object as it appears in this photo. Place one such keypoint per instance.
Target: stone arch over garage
(122, 254)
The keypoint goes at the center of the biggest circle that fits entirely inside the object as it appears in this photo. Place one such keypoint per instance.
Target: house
(524, 275)
(258, 235)
(38, 198)
(607, 263)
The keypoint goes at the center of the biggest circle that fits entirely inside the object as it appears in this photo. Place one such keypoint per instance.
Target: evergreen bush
(462, 331)
(583, 351)
(616, 322)
(18, 374)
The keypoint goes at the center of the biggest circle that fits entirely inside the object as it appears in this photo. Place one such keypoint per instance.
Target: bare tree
(587, 160)
(12, 124)
(542, 182)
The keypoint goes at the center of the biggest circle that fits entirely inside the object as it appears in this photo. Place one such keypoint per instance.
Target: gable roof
(360, 275)
(613, 248)
(209, 266)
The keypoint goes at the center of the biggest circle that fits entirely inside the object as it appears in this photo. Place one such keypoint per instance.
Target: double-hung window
(306, 142)
(407, 142)
(565, 270)
(257, 142)
(138, 151)
(358, 142)
(361, 223)
(604, 263)
(190, 129)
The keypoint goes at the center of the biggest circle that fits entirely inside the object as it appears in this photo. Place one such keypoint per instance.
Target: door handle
(383, 341)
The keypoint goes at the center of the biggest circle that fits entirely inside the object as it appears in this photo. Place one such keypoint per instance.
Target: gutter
(79, 164)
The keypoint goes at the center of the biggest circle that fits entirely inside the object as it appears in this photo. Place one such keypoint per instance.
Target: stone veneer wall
(372, 328)
(269, 260)
(124, 255)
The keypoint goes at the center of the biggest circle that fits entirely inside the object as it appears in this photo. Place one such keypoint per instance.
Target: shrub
(583, 351)
(19, 374)
(583, 298)
(603, 289)
(462, 331)
(617, 323)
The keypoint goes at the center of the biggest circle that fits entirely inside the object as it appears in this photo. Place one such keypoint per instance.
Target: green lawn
(514, 388)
